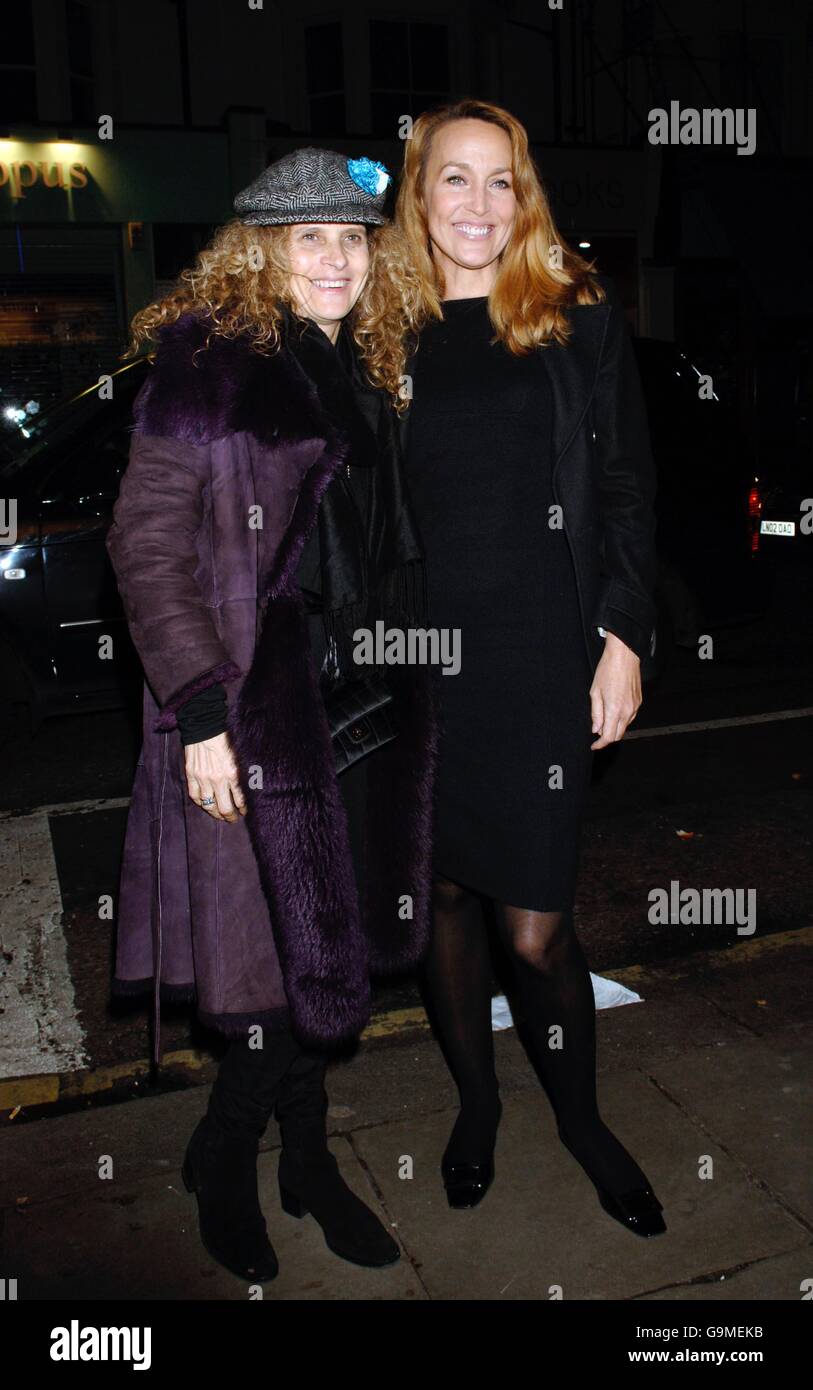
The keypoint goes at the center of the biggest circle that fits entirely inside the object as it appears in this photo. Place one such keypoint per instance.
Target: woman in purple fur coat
(261, 521)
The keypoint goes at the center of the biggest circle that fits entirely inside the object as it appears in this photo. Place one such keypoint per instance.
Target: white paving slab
(40, 1032)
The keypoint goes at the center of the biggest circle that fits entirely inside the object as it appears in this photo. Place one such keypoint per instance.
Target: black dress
(515, 752)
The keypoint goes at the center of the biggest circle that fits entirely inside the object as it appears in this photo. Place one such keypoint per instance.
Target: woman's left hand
(615, 695)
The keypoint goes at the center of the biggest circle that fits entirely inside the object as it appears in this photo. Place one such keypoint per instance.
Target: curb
(49, 1088)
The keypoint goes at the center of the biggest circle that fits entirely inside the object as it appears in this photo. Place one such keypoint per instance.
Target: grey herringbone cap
(309, 185)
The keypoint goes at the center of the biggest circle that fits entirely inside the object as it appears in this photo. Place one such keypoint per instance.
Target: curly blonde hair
(529, 295)
(242, 277)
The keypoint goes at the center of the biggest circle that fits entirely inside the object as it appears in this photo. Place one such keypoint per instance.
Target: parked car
(706, 570)
(781, 508)
(58, 594)
(781, 502)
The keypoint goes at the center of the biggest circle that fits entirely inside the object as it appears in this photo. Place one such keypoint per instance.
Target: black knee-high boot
(220, 1166)
(309, 1177)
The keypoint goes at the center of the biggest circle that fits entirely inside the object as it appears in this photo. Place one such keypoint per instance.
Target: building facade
(126, 128)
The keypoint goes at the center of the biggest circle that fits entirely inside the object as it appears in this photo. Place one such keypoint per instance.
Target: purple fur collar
(205, 393)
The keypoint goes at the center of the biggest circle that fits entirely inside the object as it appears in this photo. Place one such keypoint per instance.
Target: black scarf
(357, 572)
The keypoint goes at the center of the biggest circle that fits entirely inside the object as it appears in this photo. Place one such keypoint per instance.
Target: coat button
(357, 732)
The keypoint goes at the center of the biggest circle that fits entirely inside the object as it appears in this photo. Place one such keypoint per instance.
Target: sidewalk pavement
(707, 1083)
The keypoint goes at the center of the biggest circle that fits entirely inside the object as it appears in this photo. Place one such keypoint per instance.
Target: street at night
(406, 724)
(725, 801)
(737, 781)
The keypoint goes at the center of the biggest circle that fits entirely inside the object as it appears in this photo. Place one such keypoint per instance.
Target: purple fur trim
(298, 827)
(399, 832)
(205, 392)
(226, 671)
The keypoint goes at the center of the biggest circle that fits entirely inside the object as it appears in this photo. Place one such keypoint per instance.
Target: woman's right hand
(212, 774)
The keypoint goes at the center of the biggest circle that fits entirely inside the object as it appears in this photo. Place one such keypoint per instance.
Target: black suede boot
(220, 1166)
(309, 1177)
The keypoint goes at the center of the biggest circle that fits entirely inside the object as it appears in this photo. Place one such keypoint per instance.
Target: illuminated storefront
(90, 228)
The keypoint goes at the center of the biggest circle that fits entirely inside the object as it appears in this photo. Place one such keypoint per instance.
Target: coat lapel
(572, 373)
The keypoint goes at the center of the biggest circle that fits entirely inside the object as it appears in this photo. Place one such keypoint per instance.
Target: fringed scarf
(357, 571)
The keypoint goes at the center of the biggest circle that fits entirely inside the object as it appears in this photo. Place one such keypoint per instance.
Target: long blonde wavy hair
(242, 278)
(528, 299)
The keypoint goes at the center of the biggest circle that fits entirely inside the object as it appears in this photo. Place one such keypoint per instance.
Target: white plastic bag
(609, 994)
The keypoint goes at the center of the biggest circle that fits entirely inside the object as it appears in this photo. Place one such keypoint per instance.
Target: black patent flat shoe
(639, 1210)
(467, 1183)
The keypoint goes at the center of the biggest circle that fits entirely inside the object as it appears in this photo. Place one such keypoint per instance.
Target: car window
(93, 467)
(71, 426)
(670, 382)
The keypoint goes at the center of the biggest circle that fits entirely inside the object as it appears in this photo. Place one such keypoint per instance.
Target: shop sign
(21, 174)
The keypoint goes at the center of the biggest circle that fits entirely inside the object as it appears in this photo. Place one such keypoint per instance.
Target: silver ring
(210, 801)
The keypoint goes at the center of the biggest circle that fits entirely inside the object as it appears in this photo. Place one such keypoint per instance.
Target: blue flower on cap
(369, 174)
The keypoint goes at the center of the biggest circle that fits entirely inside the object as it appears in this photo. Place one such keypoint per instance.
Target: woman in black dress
(527, 457)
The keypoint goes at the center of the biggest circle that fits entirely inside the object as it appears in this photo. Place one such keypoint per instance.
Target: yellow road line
(49, 1087)
(52, 1086)
(385, 1025)
(29, 1090)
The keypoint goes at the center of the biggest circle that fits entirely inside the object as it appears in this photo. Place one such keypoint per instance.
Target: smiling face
(470, 203)
(329, 263)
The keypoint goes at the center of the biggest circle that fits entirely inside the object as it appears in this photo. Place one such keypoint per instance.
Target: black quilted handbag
(360, 719)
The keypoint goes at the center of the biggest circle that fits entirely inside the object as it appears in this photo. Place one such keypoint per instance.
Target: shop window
(80, 59)
(409, 70)
(57, 333)
(18, 68)
(324, 75)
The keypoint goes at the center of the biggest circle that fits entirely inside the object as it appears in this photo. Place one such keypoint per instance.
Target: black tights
(555, 1017)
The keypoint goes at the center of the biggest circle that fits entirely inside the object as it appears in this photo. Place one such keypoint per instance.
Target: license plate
(777, 528)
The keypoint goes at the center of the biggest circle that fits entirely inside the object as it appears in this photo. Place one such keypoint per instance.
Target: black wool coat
(603, 474)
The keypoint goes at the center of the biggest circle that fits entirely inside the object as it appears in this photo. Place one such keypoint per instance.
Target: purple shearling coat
(259, 920)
